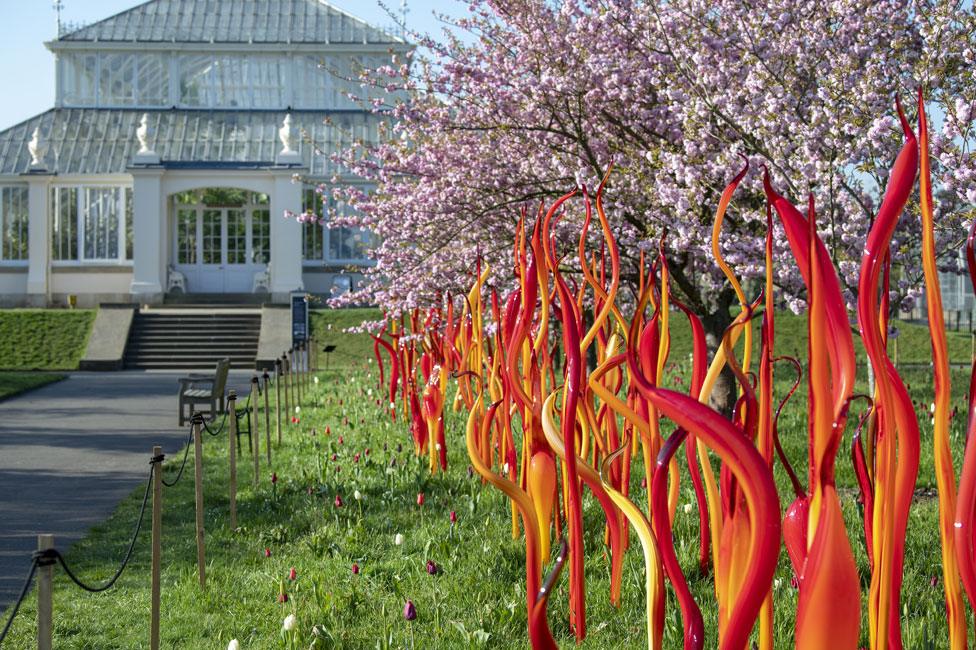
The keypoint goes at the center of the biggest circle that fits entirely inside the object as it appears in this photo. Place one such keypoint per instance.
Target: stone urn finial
(288, 137)
(146, 135)
(38, 147)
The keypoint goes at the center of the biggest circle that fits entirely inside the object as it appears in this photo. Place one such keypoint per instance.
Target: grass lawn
(15, 383)
(476, 599)
(43, 339)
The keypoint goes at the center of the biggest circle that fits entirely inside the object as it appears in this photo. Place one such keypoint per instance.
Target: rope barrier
(48, 557)
(20, 599)
(45, 555)
(220, 429)
(186, 452)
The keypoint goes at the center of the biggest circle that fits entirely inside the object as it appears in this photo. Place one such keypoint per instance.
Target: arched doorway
(221, 238)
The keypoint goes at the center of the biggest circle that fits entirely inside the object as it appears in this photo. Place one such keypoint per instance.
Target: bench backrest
(220, 376)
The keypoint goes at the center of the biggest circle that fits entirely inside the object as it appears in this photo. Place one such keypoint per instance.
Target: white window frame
(80, 190)
(325, 260)
(3, 226)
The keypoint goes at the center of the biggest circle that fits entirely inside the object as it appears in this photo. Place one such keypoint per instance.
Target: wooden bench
(204, 389)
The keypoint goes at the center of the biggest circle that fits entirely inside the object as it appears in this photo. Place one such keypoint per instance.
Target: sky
(27, 67)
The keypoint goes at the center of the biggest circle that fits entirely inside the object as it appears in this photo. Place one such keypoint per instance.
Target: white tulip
(315, 380)
(689, 507)
(398, 539)
(357, 495)
(289, 623)
(233, 645)
(298, 409)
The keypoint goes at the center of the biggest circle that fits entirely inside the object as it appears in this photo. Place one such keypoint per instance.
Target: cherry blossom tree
(525, 99)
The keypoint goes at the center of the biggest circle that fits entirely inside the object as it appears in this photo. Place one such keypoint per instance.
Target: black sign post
(299, 318)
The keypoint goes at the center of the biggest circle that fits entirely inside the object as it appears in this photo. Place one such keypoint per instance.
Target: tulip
(357, 495)
(341, 441)
(282, 597)
(420, 498)
(289, 623)
(267, 552)
(233, 645)
(292, 574)
(409, 611)
(335, 457)
(274, 478)
(366, 452)
(355, 458)
(453, 517)
(338, 500)
(432, 568)
(328, 430)
(355, 569)
(398, 539)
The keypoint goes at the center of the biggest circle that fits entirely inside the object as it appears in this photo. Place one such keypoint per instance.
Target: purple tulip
(409, 611)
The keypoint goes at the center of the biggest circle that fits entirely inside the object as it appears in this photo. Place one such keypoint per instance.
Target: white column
(148, 234)
(39, 238)
(286, 235)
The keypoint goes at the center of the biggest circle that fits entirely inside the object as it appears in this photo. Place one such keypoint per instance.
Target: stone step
(196, 340)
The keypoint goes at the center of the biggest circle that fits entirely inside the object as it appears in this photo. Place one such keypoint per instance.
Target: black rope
(20, 600)
(219, 429)
(186, 452)
(46, 556)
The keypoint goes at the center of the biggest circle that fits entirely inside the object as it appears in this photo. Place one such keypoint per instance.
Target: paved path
(70, 451)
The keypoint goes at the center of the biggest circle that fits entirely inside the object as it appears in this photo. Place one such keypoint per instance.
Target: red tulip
(453, 517)
(282, 597)
(292, 574)
(335, 457)
(432, 568)
(341, 441)
(338, 500)
(355, 458)
(267, 552)
(420, 498)
(409, 611)
(355, 569)
(274, 477)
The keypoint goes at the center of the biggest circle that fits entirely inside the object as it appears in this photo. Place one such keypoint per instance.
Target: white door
(220, 249)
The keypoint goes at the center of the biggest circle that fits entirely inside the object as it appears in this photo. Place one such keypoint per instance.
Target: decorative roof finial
(146, 135)
(38, 147)
(58, 8)
(288, 135)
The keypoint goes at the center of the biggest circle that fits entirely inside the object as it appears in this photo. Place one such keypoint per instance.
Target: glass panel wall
(14, 219)
(236, 80)
(91, 224)
(335, 244)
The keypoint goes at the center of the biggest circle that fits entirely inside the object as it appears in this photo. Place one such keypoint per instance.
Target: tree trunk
(724, 393)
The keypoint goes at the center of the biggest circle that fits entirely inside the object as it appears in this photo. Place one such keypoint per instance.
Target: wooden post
(278, 397)
(286, 367)
(267, 413)
(233, 451)
(255, 433)
(298, 374)
(157, 546)
(45, 597)
(198, 489)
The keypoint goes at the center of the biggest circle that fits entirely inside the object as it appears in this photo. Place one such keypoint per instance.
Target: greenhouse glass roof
(103, 141)
(238, 21)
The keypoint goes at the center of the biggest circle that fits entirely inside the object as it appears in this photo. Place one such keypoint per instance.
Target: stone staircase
(183, 339)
